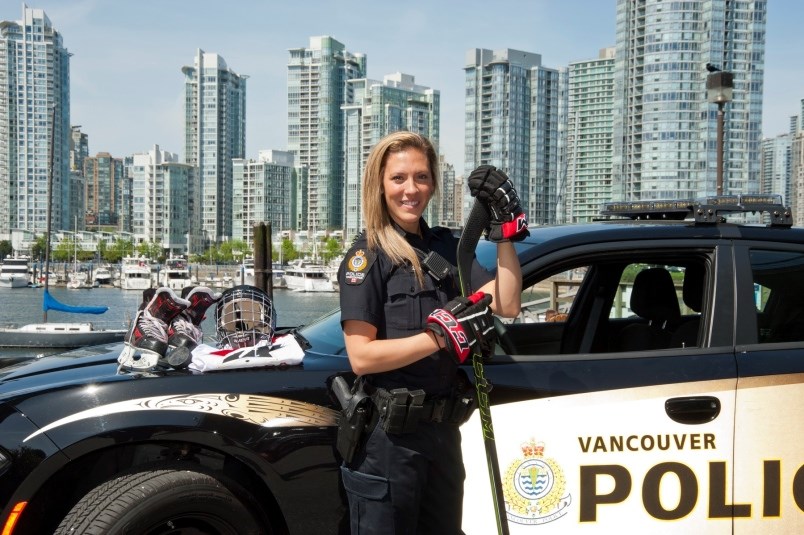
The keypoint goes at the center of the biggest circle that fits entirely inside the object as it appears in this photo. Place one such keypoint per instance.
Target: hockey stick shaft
(475, 225)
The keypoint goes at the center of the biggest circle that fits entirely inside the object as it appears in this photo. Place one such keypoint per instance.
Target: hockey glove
(493, 187)
(466, 324)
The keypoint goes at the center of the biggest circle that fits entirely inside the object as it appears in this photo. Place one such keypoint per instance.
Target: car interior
(610, 305)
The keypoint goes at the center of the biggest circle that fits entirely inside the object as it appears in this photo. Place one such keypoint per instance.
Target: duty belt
(400, 410)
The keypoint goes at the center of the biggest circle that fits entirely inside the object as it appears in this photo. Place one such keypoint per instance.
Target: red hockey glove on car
(465, 324)
(493, 187)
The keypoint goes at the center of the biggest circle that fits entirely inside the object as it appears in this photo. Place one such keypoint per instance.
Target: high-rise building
(103, 175)
(775, 173)
(215, 133)
(375, 110)
(446, 209)
(316, 90)
(586, 180)
(34, 82)
(665, 130)
(161, 202)
(512, 121)
(264, 191)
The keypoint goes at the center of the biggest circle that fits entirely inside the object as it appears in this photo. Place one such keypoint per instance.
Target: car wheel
(163, 501)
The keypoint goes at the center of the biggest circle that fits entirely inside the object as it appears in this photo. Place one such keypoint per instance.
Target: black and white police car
(651, 383)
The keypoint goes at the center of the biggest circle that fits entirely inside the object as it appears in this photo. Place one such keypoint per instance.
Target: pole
(720, 114)
(49, 205)
(259, 256)
(476, 223)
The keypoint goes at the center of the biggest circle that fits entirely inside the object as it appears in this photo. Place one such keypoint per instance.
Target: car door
(601, 437)
(769, 459)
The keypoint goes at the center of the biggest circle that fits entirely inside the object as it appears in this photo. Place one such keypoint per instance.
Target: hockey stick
(475, 225)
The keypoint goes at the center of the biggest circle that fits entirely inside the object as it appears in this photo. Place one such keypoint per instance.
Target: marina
(293, 309)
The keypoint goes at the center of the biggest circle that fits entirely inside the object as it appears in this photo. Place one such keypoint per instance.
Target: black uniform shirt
(374, 290)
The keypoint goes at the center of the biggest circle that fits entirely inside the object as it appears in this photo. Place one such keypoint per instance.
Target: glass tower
(161, 201)
(102, 176)
(665, 130)
(215, 133)
(512, 117)
(376, 109)
(34, 79)
(316, 90)
(587, 177)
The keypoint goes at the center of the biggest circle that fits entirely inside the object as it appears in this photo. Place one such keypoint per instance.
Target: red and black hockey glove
(493, 187)
(466, 324)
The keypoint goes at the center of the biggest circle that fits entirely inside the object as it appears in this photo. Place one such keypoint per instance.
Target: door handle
(692, 410)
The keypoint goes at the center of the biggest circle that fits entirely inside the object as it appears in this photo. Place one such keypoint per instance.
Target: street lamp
(719, 86)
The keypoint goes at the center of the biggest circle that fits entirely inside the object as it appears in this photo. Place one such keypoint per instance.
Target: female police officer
(406, 330)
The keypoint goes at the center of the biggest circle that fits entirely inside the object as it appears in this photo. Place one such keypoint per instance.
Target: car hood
(90, 364)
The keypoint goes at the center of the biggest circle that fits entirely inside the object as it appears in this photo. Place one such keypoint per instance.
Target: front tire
(164, 501)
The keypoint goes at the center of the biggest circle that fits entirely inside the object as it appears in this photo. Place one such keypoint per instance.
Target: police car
(652, 382)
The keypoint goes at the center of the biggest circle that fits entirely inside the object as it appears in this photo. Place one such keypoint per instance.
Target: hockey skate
(185, 333)
(147, 340)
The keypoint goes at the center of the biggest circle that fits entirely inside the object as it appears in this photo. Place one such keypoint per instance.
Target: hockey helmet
(244, 316)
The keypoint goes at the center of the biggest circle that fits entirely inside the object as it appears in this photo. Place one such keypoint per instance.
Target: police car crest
(534, 487)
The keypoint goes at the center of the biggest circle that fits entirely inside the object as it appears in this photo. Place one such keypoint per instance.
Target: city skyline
(127, 57)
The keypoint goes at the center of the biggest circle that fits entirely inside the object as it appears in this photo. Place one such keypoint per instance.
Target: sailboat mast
(49, 203)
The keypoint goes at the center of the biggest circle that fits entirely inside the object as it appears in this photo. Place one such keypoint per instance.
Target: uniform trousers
(408, 483)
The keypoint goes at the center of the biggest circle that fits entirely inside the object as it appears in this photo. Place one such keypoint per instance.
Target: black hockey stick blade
(476, 224)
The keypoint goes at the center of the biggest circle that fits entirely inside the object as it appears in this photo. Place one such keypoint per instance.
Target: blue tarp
(50, 303)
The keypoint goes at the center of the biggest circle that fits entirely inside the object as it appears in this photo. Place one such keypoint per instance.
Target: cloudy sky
(127, 85)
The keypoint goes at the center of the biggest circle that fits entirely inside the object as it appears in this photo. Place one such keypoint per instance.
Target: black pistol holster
(355, 406)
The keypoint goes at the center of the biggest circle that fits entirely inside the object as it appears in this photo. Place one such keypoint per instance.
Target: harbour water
(19, 306)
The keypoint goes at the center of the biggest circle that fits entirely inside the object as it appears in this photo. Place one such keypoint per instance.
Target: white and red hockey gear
(184, 332)
(147, 340)
(466, 324)
(284, 351)
(493, 187)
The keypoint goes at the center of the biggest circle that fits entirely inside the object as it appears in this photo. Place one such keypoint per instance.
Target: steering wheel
(504, 337)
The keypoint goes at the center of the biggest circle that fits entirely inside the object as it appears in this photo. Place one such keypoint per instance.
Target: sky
(127, 88)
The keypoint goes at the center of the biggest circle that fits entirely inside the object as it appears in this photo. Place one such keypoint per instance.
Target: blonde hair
(380, 232)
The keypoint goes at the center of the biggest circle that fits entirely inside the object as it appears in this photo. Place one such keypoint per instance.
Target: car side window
(778, 278)
(551, 299)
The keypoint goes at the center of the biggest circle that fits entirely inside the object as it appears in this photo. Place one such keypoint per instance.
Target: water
(19, 306)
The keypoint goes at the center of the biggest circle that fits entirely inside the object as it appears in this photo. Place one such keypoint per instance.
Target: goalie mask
(244, 316)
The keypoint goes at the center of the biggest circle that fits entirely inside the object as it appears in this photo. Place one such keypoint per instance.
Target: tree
(39, 247)
(5, 248)
(332, 249)
(289, 251)
(63, 252)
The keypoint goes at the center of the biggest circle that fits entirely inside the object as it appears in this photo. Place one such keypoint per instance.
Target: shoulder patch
(358, 265)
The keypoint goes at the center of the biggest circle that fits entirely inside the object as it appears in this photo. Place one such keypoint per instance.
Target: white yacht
(102, 276)
(246, 275)
(78, 280)
(175, 274)
(14, 272)
(135, 273)
(306, 277)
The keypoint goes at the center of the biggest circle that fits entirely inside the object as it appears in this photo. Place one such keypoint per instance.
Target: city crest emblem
(534, 487)
(358, 265)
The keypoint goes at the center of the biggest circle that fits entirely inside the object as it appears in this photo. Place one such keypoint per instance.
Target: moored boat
(64, 335)
(306, 277)
(102, 276)
(135, 273)
(14, 272)
(175, 274)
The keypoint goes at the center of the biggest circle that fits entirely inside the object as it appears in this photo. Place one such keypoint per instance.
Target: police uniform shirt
(389, 297)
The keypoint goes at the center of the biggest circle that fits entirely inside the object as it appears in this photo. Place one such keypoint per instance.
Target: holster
(355, 415)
